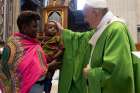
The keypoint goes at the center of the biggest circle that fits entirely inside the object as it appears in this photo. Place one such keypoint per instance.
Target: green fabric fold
(112, 67)
(76, 56)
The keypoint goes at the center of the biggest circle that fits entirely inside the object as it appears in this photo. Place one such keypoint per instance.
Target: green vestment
(113, 68)
(76, 56)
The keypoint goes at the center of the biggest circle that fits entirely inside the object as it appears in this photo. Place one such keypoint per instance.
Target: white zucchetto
(97, 3)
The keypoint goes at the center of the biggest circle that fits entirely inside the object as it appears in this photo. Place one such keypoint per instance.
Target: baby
(54, 49)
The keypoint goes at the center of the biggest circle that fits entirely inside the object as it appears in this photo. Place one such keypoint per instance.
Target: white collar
(106, 20)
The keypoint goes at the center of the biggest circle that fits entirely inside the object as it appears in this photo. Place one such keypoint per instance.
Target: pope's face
(91, 16)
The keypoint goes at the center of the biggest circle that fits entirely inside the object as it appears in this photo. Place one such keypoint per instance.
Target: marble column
(138, 11)
(16, 10)
(1, 18)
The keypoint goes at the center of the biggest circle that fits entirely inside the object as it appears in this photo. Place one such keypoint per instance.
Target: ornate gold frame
(62, 10)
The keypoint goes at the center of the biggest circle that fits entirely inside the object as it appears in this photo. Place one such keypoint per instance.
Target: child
(53, 48)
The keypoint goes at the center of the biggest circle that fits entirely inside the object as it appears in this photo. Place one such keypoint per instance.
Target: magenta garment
(32, 65)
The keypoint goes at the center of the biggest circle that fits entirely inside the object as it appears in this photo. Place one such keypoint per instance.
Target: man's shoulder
(117, 25)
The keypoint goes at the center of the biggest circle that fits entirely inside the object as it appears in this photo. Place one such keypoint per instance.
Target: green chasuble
(113, 68)
(76, 56)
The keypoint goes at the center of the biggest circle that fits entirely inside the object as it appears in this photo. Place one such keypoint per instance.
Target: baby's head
(51, 28)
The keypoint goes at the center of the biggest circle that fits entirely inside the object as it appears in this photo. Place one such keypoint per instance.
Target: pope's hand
(86, 71)
(60, 27)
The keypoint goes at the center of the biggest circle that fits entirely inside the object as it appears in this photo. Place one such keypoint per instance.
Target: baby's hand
(54, 65)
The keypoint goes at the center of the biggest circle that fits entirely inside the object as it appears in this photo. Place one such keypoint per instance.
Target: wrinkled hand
(60, 27)
(86, 71)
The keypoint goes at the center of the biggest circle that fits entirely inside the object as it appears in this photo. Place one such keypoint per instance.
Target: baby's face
(52, 28)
